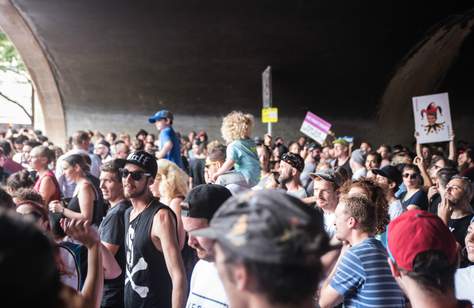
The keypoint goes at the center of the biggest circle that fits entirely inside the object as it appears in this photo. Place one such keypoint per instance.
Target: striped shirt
(364, 278)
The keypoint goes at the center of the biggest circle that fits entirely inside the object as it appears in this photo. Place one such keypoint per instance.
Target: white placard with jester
(432, 118)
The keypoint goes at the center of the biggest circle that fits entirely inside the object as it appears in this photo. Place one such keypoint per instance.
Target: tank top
(57, 192)
(97, 210)
(147, 281)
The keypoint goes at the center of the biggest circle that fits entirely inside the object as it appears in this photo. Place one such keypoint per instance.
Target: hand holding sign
(315, 127)
(432, 118)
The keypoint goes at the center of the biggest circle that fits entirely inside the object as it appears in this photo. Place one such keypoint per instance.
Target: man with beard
(202, 202)
(466, 163)
(112, 228)
(155, 274)
(325, 184)
(454, 209)
(291, 166)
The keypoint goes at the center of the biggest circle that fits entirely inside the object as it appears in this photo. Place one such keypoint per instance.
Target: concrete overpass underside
(107, 64)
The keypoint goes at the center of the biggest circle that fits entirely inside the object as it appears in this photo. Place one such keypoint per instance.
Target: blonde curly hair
(173, 180)
(236, 125)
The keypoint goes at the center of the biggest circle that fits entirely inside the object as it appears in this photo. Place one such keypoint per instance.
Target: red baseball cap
(417, 231)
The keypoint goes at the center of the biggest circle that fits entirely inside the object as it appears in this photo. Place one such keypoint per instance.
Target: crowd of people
(174, 220)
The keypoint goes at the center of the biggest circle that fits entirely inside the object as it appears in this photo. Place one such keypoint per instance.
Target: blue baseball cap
(162, 114)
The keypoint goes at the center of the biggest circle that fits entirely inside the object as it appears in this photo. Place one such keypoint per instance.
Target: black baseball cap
(391, 173)
(143, 160)
(269, 227)
(204, 200)
(295, 160)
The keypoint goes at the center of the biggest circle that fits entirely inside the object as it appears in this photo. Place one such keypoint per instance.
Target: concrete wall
(116, 62)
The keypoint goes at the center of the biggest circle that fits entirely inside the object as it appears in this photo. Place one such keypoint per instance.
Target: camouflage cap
(270, 227)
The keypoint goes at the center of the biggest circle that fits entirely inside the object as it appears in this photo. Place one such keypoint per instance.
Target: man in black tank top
(155, 275)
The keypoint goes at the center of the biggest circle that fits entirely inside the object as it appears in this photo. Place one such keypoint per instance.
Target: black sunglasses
(136, 175)
(411, 176)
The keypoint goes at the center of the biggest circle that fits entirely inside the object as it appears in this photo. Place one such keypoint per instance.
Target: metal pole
(269, 128)
(32, 105)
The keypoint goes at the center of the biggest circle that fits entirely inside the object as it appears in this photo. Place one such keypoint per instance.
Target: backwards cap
(415, 232)
(204, 200)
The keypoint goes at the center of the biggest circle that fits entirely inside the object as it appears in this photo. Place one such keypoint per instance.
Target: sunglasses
(411, 176)
(135, 175)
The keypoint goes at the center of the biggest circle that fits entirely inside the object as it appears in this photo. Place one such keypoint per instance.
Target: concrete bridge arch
(38, 65)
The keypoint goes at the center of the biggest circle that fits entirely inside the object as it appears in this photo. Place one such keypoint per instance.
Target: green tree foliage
(11, 61)
(9, 57)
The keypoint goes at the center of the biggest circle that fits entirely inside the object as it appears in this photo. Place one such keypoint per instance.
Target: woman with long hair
(171, 186)
(82, 204)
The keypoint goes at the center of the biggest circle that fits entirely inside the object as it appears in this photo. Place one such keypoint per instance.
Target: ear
(241, 277)
(393, 268)
(44, 160)
(352, 222)
(293, 172)
(392, 185)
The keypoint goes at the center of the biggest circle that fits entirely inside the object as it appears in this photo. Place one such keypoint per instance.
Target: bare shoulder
(163, 217)
(47, 179)
(163, 229)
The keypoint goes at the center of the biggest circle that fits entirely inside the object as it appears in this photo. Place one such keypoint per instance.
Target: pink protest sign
(315, 127)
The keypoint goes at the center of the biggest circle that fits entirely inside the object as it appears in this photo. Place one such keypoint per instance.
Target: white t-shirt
(464, 283)
(71, 275)
(395, 209)
(329, 219)
(206, 289)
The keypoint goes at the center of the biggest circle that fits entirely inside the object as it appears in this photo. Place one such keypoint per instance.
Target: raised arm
(83, 232)
(452, 146)
(419, 162)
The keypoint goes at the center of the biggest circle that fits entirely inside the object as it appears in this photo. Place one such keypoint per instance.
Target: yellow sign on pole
(270, 115)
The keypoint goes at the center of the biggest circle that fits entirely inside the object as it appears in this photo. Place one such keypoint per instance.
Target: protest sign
(270, 115)
(432, 118)
(315, 127)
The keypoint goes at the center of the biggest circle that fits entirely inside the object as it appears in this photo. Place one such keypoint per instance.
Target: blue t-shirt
(174, 155)
(420, 199)
(244, 154)
(364, 278)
